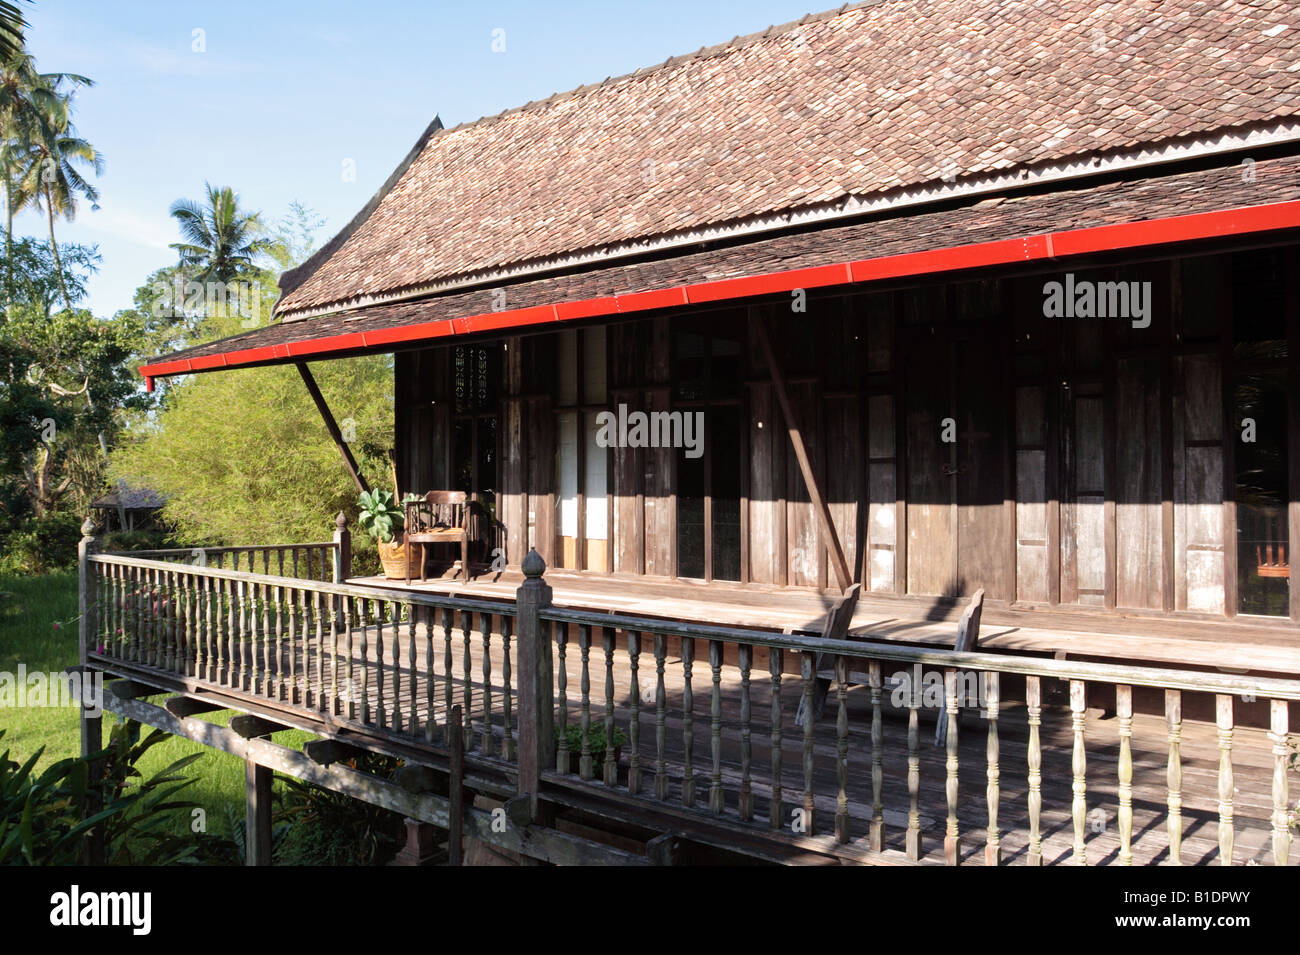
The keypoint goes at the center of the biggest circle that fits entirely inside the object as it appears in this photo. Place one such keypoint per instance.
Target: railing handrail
(217, 548)
(476, 604)
(1159, 677)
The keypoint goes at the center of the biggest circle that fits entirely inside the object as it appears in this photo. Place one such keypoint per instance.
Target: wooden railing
(313, 561)
(394, 661)
(356, 656)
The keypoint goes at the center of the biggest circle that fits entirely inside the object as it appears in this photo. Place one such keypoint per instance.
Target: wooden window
(581, 464)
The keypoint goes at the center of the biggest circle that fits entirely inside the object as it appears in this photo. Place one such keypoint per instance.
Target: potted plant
(382, 518)
(596, 741)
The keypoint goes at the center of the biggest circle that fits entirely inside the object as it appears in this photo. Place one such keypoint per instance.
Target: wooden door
(956, 432)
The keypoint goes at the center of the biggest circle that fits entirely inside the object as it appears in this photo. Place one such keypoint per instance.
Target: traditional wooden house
(932, 298)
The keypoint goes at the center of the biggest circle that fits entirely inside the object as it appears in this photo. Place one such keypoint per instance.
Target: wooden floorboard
(1158, 641)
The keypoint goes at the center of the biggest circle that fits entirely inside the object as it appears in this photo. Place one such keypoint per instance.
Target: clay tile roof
(853, 103)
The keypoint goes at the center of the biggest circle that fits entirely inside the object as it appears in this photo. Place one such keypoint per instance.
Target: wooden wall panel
(1083, 533)
(931, 532)
(1031, 496)
(1198, 485)
(422, 427)
(1138, 454)
(767, 442)
(660, 520)
(844, 478)
(882, 495)
(511, 504)
(807, 558)
(540, 420)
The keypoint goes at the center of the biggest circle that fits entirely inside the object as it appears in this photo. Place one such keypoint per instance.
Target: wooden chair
(968, 638)
(835, 628)
(1270, 551)
(442, 517)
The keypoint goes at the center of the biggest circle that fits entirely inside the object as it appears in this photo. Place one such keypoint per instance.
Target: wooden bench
(835, 628)
(440, 517)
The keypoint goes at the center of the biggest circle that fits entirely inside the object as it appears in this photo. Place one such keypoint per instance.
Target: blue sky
(285, 93)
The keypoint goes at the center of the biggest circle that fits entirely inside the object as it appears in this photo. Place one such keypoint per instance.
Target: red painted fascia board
(1043, 247)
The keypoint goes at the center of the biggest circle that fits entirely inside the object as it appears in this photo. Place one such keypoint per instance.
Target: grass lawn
(38, 628)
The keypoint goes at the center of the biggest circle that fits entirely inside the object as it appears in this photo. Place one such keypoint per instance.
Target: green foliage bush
(118, 541)
(329, 828)
(41, 545)
(44, 820)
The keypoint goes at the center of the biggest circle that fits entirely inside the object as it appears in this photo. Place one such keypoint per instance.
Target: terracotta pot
(394, 557)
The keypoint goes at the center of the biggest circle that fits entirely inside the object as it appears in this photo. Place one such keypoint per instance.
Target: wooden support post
(456, 794)
(536, 707)
(332, 427)
(92, 727)
(841, 565)
(257, 813)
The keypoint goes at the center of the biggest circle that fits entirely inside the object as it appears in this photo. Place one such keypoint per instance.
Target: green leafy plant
(329, 828)
(44, 820)
(381, 516)
(595, 739)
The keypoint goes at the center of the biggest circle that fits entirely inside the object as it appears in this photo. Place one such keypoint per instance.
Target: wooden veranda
(1048, 761)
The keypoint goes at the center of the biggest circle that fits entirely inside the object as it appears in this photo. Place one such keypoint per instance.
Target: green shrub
(330, 828)
(41, 545)
(41, 817)
(117, 541)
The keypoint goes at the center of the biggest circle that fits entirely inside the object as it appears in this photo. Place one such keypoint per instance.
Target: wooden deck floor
(1252, 759)
(1259, 646)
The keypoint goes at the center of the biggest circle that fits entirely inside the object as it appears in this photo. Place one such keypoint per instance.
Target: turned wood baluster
(745, 658)
(562, 675)
(247, 636)
(775, 811)
(364, 658)
(1079, 766)
(271, 640)
(913, 838)
(634, 727)
(808, 672)
(430, 676)
(1124, 711)
(411, 662)
(584, 686)
(321, 623)
(1278, 728)
(226, 646)
(508, 743)
(349, 603)
(842, 753)
(611, 762)
(449, 690)
(717, 799)
(395, 708)
(1223, 723)
(202, 631)
(661, 732)
(688, 722)
(1034, 707)
(381, 710)
(486, 619)
(952, 836)
(877, 831)
(467, 672)
(1174, 719)
(993, 753)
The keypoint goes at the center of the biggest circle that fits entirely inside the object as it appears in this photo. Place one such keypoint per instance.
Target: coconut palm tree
(221, 240)
(51, 179)
(11, 29)
(34, 110)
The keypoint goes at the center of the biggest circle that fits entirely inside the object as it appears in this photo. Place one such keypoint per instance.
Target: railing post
(536, 715)
(342, 563)
(342, 549)
(92, 735)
